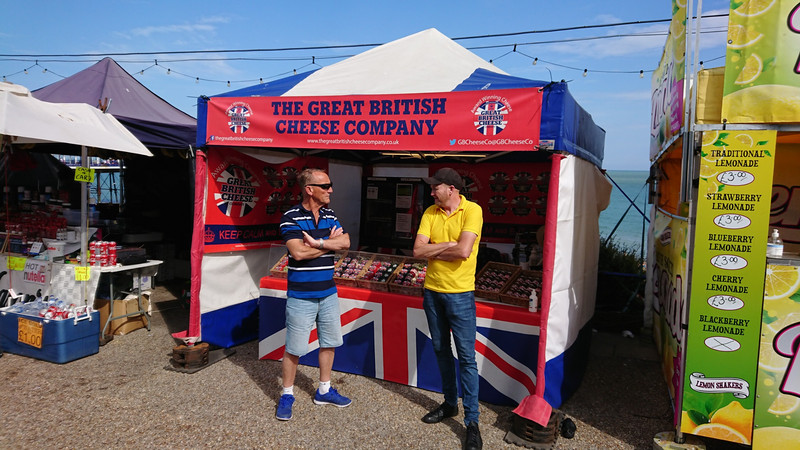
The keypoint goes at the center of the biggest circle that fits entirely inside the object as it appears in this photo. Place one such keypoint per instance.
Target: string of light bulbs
(313, 59)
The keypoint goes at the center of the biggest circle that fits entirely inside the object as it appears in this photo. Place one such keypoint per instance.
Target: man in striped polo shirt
(312, 233)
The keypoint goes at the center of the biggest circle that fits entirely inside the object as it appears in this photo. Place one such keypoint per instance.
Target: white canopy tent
(26, 120)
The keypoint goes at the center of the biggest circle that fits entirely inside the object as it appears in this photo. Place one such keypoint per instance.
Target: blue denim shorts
(303, 313)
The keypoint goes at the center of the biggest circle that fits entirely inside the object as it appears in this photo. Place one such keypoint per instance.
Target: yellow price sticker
(29, 332)
(16, 263)
(84, 174)
(82, 273)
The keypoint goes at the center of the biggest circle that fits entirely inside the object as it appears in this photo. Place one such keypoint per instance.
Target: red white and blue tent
(517, 351)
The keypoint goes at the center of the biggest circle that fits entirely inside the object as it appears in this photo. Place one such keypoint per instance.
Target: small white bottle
(533, 302)
(775, 244)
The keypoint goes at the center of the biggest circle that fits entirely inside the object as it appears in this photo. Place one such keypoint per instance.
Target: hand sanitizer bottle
(775, 244)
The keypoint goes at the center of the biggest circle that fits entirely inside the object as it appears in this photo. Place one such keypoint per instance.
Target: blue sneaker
(332, 398)
(284, 411)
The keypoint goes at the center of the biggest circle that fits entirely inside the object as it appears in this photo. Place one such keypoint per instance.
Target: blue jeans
(456, 313)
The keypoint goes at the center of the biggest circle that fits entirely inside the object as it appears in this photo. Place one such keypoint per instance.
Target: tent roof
(31, 121)
(426, 62)
(149, 117)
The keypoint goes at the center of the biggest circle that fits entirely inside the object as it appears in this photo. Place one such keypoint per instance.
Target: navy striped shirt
(311, 278)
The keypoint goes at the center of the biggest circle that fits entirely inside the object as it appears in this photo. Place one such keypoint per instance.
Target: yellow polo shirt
(452, 277)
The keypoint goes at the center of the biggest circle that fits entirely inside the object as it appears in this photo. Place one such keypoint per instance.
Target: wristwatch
(321, 244)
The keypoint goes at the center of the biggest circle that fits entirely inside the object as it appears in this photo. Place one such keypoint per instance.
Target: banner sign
(513, 197)
(762, 69)
(666, 116)
(727, 288)
(777, 414)
(501, 120)
(247, 197)
(669, 297)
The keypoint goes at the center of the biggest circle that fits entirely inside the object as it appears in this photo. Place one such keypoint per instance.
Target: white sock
(288, 390)
(324, 387)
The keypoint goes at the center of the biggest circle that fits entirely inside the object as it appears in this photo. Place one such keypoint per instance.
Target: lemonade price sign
(727, 289)
(84, 174)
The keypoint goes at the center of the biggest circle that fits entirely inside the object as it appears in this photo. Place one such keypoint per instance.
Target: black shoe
(442, 412)
(473, 440)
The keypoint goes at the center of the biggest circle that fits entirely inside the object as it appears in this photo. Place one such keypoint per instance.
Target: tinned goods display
(103, 253)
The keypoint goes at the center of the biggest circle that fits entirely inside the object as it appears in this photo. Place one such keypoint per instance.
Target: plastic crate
(518, 290)
(61, 340)
(396, 282)
(493, 279)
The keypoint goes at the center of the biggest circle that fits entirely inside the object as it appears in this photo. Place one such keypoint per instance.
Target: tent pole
(84, 224)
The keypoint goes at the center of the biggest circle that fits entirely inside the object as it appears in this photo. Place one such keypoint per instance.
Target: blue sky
(618, 102)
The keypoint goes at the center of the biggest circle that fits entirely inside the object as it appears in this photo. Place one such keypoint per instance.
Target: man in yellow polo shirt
(448, 236)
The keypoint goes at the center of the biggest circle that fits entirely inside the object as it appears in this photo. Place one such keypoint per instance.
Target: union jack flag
(389, 340)
(238, 115)
(233, 205)
(490, 118)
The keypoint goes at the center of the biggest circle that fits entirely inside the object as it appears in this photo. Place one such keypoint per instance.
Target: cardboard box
(121, 307)
(61, 340)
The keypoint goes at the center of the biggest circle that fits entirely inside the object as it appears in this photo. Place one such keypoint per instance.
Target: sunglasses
(323, 186)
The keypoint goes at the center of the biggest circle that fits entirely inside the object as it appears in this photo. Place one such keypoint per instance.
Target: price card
(36, 248)
(82, 273)
(84, 174)
(29, 332)
(16, 263)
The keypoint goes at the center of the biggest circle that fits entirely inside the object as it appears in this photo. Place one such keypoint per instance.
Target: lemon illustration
(687, 424)
(745, 139)
(740, 36)
(764, 103)
(720, 431)
(769, 360)
(783, 438)
(784, 404)
(751, 70)
(781, 281)
(707, 170)
(711, 186)
(735, 416)
(752, 8)
(709, 137)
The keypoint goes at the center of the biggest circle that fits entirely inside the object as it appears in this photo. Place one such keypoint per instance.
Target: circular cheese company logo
(491, 115)
(498, 182)
(208, 236)
(498, 205)
(236, 191)
(238, 117)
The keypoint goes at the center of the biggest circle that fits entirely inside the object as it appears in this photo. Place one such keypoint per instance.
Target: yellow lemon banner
(777, 408)
(762, 84)
(667, 85)
(728, 266)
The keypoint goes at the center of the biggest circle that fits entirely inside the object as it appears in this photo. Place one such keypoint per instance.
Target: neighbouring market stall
(378, 122)
(29, 271)
(725, 162)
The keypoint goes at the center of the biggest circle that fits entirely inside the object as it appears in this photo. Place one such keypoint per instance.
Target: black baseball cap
(447, 176)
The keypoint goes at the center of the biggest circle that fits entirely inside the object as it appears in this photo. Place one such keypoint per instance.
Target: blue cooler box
(61, 340)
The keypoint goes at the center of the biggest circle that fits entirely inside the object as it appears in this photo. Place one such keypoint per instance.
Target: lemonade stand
(724, 165)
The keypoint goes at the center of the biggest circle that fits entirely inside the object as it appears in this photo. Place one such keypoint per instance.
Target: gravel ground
(123, 397)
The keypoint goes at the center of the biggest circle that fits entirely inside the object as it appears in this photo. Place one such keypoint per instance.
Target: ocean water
(631, 227)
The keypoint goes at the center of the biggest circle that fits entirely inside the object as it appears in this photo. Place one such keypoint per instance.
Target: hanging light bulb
(26, 71)
(260, 81)
(535, 60)
(229, 84)
(295, 71)
(44, 70)
(641, 74)
(169, 71)
(197, 80)
(701, 65)
(491, 61)
(585, 72)
(4, 78)
(141, 72)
